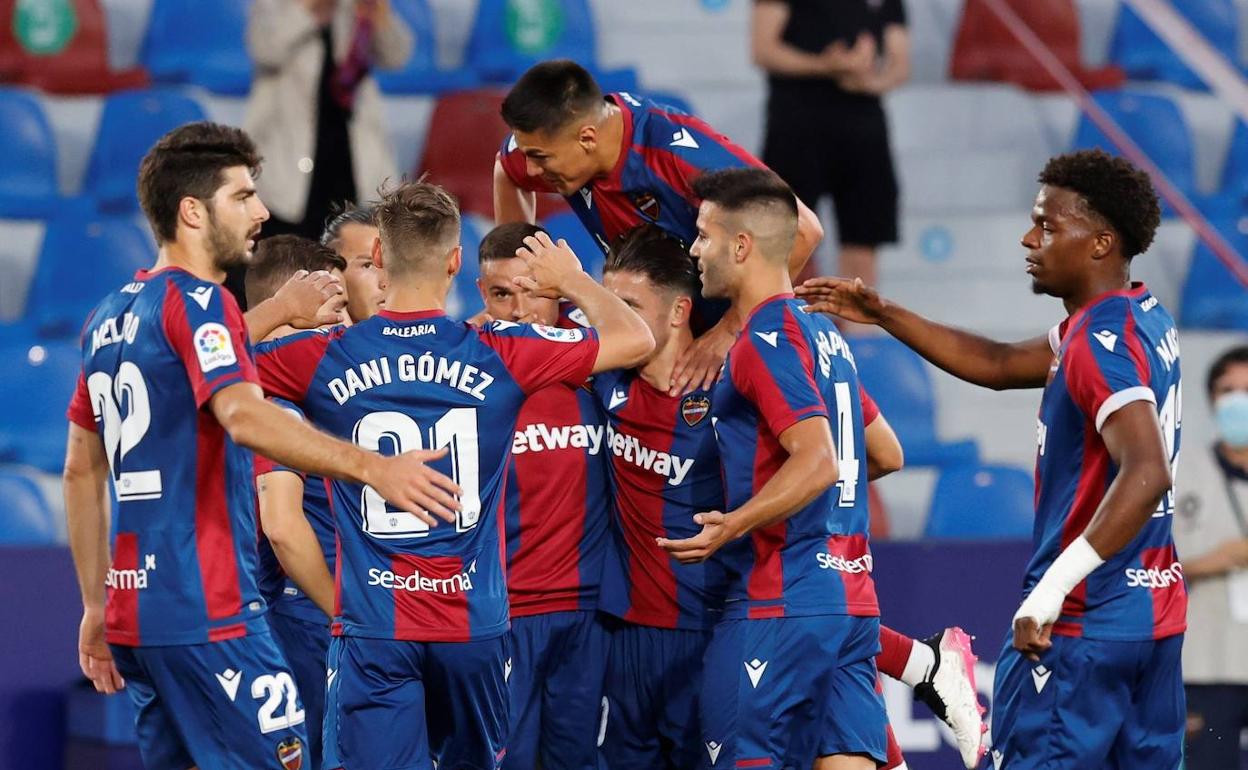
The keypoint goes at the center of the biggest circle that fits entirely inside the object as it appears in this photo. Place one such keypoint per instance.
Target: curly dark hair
(1113, 189)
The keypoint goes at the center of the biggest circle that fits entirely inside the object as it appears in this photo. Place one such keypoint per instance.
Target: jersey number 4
(395, 433)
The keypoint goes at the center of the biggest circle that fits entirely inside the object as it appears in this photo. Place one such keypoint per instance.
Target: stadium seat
(421, 74)
(1157, 126)
(80, 261)
(60, 48)
(38, 380)
(985, 49)
(988, 502)
(509, 36)
(27, 516)
(1144, 56)
(208, 51)
(1234, 183)
(898, 380)
(130, 124)
(1212, 297)
(28, 187)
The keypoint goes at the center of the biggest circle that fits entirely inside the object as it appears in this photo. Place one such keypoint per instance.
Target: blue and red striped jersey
(1121, 348)
(404, 381)
(282, 593)
(665, 468)
(789, 366)
(183, 565)
(663, 151)
(558, 503)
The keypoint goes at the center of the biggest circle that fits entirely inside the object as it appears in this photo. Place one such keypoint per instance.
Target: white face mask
(1230, 412)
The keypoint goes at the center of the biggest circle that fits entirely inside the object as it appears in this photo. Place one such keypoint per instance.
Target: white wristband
(1044, 603)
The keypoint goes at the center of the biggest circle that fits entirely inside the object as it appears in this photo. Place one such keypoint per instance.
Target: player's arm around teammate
(624, 340)
(306, 301)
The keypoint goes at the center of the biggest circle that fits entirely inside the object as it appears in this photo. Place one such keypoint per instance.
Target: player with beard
(1090, 674)
(168, 404)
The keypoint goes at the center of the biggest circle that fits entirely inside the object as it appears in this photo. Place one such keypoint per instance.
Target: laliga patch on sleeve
(214, 347)
(558, 335)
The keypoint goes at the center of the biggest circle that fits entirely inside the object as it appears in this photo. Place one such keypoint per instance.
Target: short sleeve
(287, 365)
(537, 355)
(870, 410)
(263, 464)
(206, 329)
(1105, 365)
(683, 147)
(80, 412)
(774, 369)
(514, 165)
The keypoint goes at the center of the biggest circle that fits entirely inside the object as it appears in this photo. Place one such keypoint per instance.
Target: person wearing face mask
(1211, 531)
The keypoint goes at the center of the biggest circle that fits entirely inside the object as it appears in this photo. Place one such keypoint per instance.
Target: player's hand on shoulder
(409, 482)
(311, 300)
(699, 366)
(847, 298)
(550, 264)
(691, 550)
(481, 319)
(94, 657)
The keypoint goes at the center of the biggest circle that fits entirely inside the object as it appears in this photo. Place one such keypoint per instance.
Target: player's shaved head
(550, 96)
(1113, 192)
(649, 251)
(280, 257)
(753, 200)
(503, 241)
(419, 224)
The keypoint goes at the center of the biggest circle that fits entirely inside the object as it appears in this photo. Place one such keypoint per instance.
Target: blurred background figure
(315, 111)
(828, 62)
(1211, 532)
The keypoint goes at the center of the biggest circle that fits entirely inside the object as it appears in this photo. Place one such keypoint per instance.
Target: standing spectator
(1212, 537)
(316, 118)
(828, 63)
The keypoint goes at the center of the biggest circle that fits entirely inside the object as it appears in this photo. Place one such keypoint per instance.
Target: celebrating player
(1090, 677)
(167, 400)
(557, 511)
(621, 160)
(421, 610)
(352, 232)
(801, 623)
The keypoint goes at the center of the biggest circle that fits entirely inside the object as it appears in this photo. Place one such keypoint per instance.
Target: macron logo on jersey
(202, 296)
(540, 436)
(683, 138)
(754, 669)
(713, 748)
(587, 195)
(618, 397)
(630, 449)
(768, 337)
(229, 680)
(1107, 339)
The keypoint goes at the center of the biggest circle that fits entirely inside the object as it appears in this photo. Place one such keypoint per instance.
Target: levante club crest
(290, 753)
(648, 205)
(694, 408)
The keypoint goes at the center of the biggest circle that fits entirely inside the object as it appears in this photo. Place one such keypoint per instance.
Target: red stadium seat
(465, 133)
(60, 53)
(985, 49)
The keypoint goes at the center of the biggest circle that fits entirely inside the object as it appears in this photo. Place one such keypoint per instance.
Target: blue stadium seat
(81, 261)
(130, 124)
(38, 380)
(27, 518)
(982, 502)
(509, 36)
(1153, 122)
(28, 186)
(565, 225)
(1212, 297)
(185, 44)
(899, 382)
(1235, 168)
(421, 75)
(1144, 56)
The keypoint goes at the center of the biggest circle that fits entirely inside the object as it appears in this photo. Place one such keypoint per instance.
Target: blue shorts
(803, 688)
(396, 705)
(653, 680)
(558, 661)
(1090, 704)
(229, 705)
(305, 646)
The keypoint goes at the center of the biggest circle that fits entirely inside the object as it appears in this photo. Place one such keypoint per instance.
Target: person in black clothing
(828, 63)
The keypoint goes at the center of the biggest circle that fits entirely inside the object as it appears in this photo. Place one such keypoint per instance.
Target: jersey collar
(784, 295)
(414, 315)
(1136, 290)
(626, 141)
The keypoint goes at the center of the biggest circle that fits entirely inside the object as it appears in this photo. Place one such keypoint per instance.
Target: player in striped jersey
(1096, 642)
